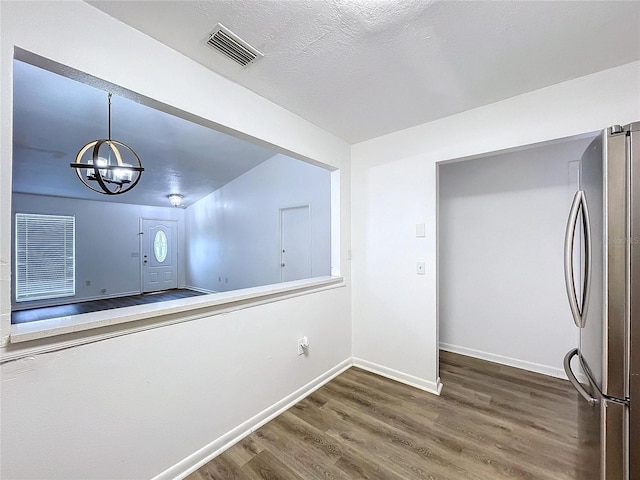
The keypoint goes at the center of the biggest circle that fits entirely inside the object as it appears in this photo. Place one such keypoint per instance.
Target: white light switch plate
(420, 230)
(303, 345)
(420, 268)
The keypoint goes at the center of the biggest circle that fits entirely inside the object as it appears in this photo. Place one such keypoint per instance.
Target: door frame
(141, 235)
(479, 156)
(281, 210)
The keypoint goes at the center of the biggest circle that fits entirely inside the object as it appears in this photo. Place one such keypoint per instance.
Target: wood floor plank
(266, 466)
(492, 422)
(390, 415)
(519, 409)
(482, 428)
(308, 435)
(298, 456)
(358, 466)
(438, 444)
(243, 451)
(308, 453)
(310, 412)
(388, 399)
(387, 445)
(220, 468)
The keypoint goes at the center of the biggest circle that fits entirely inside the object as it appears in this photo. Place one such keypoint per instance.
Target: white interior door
(159, 255)
(295, 243)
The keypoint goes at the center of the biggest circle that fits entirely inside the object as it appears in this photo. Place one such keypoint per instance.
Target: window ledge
(162, 313)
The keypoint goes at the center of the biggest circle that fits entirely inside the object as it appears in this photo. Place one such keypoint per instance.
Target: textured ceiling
(363, 68)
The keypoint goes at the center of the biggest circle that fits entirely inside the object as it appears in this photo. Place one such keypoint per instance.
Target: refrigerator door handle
(574, 381)
(569, 239)
(587, 260)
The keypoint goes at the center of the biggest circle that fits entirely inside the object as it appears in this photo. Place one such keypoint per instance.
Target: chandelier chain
(109, 116)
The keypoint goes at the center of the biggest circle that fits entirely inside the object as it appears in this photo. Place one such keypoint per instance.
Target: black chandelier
(112, 175)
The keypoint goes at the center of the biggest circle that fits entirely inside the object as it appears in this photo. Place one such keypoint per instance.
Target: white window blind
(45, 256)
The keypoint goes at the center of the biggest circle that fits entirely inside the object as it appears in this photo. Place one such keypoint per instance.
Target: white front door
(295, 243)
(159, 254)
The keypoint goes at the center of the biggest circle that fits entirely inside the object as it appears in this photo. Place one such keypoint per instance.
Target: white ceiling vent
(231, 45)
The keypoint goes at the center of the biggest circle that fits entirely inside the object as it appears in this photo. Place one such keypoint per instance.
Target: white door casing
(159, 241)
(295, 243)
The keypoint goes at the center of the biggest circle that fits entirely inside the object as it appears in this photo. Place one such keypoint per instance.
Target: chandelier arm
(99, 178)
(79, 166)
(135, 182)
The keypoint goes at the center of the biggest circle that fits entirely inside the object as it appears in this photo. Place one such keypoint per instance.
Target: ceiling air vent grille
(229, 44)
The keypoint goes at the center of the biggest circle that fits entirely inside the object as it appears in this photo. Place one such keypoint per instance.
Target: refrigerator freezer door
(601, 433)
(613, 438)
(589, 466)
(589, 440)
(608, 444)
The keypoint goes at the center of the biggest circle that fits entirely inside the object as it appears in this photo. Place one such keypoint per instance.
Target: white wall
(234, 233)
(130, 407)
(107, 243)
(501, 230)
(135, 405)
(394, 187)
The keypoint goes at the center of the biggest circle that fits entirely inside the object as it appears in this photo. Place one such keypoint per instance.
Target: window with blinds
(45, 256)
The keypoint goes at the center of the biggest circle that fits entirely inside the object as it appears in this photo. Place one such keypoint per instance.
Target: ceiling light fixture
(175, 199)
(112, 176)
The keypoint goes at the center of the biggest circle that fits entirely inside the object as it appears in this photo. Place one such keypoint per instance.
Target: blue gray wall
(107, 243)
(234, 233)
(228, 240)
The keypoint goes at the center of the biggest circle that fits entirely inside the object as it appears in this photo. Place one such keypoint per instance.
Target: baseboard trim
(407, 379)
(200, 290)
(502, 360)
(194, 461)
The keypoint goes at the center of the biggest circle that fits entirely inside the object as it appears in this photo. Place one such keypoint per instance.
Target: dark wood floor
(44, 313)
(491, 423)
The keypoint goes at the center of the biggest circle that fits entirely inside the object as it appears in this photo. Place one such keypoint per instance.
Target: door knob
(282, 264)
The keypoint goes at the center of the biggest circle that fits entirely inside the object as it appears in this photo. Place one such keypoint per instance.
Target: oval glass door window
(160, 247)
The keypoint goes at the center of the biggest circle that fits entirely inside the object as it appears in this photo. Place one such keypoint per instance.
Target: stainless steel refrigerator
(602, 274)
